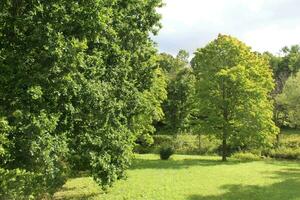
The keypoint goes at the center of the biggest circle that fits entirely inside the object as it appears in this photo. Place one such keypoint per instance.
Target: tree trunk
(225, 123)
(224, 146)
(199, 143)
(278, 139)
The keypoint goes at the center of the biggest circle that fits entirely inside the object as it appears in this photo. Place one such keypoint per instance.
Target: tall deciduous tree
(76, 77)
(232, 93)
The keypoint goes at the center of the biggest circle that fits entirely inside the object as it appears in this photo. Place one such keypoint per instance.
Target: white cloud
(262, 24)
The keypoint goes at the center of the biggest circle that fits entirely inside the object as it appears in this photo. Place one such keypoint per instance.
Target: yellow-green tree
(232, 94)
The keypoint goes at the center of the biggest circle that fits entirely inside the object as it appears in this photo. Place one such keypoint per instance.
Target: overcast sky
(265, 25)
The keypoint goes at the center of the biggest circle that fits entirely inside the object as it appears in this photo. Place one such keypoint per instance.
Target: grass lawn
(194, 178)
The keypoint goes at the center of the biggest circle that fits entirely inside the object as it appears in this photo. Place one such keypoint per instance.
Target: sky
(265, 25)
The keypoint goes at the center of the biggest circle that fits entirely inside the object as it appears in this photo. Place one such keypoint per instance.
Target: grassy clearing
(194, 178)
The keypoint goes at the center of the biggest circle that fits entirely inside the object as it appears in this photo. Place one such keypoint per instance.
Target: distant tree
(290, 99)
(183, 56)
(232, 94)
(178, 105)
(283, 66)
(180, 88)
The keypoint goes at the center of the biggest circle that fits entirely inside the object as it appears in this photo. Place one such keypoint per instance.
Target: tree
(284, 65)
(183, 56)
(74, 79)
(178, 105)
(289, 98)
(180, 89)
(232, 94)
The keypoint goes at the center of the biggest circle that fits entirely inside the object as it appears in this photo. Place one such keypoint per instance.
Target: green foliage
(285, 153)
(288, 146)
(160, 140)
(4, 141)
(144, 144)
(77, 78)
(245, 156)
(151, 101)
(183, 56)
(291, 58)
(183, 144)
(285, 65)
(19, 184)
(178, 106)
(232, 94)
(289, 140)
(180, 89)
(166, 152)
(289, 98)
(191, 144)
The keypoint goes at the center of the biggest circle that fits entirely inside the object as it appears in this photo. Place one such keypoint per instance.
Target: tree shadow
(283, 162)
(178, 164)
(287, 188)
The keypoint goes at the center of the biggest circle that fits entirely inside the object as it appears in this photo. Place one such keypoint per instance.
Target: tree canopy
(77, 78)
(232, 93)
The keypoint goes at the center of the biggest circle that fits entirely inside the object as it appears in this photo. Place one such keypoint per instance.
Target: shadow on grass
(177, 164)
(287, 188)
(283, 162)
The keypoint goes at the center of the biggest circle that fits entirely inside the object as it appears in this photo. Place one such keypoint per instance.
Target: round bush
(166, 152)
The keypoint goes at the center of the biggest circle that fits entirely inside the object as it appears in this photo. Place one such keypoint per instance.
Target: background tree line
(280, 99)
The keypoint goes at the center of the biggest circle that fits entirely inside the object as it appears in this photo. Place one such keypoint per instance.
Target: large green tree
(232, 94)
(76, 78)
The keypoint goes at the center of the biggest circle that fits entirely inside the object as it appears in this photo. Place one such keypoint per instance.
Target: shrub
(166, 152)
(141, 149)
(290, 141)
(285, 153)
(158, 142)
(144, 144)
(163, 140)
(246, 156)
(208, 144)
(183, 144)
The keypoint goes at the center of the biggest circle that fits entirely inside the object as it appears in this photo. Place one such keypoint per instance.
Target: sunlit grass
(194, 178)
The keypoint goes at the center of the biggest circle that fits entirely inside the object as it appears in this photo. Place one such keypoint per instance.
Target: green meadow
(194, 178)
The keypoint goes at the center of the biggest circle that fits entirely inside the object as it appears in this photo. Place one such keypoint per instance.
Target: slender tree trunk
(199, 143)
(225, 124)
(224, 146)
(278, 139)
(276, 119)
